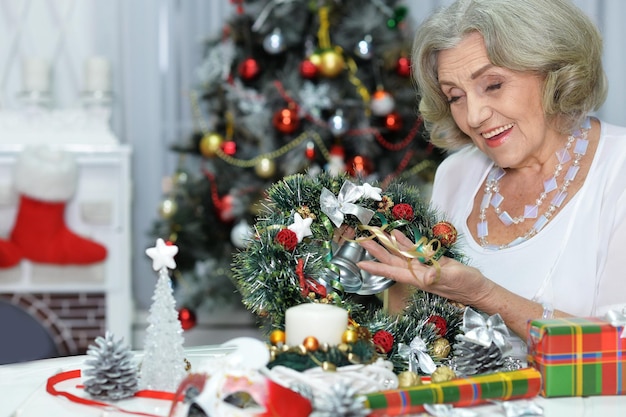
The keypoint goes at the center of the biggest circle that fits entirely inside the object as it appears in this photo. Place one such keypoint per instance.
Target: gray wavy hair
(552, 38)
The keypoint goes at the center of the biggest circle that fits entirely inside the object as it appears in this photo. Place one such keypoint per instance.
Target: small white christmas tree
(163, 365)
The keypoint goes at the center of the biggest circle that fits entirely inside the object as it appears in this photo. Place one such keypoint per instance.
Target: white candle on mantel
(97, 74)
(325, 322)
(35, 75)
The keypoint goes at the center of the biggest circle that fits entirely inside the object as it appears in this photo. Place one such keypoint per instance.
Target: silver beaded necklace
(493, 198)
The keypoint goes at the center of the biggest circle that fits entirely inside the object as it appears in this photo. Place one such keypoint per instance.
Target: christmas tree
(163, 365)
(288, 87)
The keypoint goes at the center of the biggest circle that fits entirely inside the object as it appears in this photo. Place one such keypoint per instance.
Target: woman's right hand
(448, 278)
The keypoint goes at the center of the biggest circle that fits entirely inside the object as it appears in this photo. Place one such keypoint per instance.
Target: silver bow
(336, 207)
(484, 332)
(617, 319)
(417, 355)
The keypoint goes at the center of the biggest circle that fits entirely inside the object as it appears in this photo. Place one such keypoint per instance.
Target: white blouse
(577, 262)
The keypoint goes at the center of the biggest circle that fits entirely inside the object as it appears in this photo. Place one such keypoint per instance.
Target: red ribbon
(68, 375)
(307, 284)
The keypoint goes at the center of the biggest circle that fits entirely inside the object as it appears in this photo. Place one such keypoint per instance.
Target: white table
(23, 393)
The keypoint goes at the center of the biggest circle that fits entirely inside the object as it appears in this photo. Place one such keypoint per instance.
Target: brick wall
(73, 320)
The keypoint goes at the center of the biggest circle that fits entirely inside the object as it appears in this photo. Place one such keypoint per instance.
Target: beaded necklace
(493, 198)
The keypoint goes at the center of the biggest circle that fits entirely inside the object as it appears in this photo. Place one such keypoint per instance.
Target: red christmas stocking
(46, 179)
(10, 255)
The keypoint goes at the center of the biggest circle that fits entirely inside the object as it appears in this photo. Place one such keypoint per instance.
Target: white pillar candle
(325, 322)
(35, 75)
(97, 74)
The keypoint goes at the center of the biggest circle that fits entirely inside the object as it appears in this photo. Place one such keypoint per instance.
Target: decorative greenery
(269, 276)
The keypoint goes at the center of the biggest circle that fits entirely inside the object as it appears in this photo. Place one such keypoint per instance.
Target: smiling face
(499, 109)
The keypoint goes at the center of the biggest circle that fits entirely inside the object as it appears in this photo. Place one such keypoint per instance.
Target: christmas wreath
(293, 259)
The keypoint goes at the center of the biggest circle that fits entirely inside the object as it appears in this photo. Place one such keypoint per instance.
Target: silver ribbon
(448, 410)
(484, 332)
(417, 354)
(519, 408)
(336, 207)
(617, 319)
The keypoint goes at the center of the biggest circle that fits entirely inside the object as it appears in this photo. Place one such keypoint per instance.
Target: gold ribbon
(426, 251)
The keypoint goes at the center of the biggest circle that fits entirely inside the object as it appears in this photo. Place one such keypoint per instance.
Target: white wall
(154, 48)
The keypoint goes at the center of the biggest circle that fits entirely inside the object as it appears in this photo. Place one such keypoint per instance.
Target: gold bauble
(408, 379)
(441, 348)
(316, 59)
(265, 168)
(167, 208)
(277, 336)
(349, 336)
(210, 144)
(180, 177)
(442, 374)
(331, 63)
(311, 343)
(329, 366)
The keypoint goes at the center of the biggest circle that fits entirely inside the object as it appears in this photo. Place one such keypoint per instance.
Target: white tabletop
(23, 394)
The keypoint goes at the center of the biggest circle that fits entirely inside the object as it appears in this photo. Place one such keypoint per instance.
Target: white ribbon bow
(417, 354)
(617, 319)
(336, 207)
(484, 332)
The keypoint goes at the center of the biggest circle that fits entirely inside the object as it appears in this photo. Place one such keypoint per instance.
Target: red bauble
(187, 318)
(445, 232)
(286, 120)
(308, 69)
(393, 121)
(359, 166)
(225, 209)
(249, 69)
(403, 68)
(440, 324)
(287, 238)
(229, 147)
(384, 340)
(402, 211)
(310, 151)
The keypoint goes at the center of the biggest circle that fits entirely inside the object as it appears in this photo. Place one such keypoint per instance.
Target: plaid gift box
(578, 356)
(523, 383)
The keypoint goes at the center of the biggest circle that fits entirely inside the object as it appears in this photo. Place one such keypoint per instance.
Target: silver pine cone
(470, 358)
(111, 369)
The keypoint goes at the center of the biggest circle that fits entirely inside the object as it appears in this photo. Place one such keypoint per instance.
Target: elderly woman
(532, 182)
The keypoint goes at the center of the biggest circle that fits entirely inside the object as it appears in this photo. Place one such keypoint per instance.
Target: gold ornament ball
(408, 379)
(442, 374)
(329, 366)
(350, 336)
(311, 343)
(265, 168)
(210, 144)
(277, 336)
(331, 63)
(167, 208)
(441, 348)
(316, 59)
(180, 178)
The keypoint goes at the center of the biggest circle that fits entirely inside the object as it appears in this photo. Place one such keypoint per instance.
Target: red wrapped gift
(578, 356)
